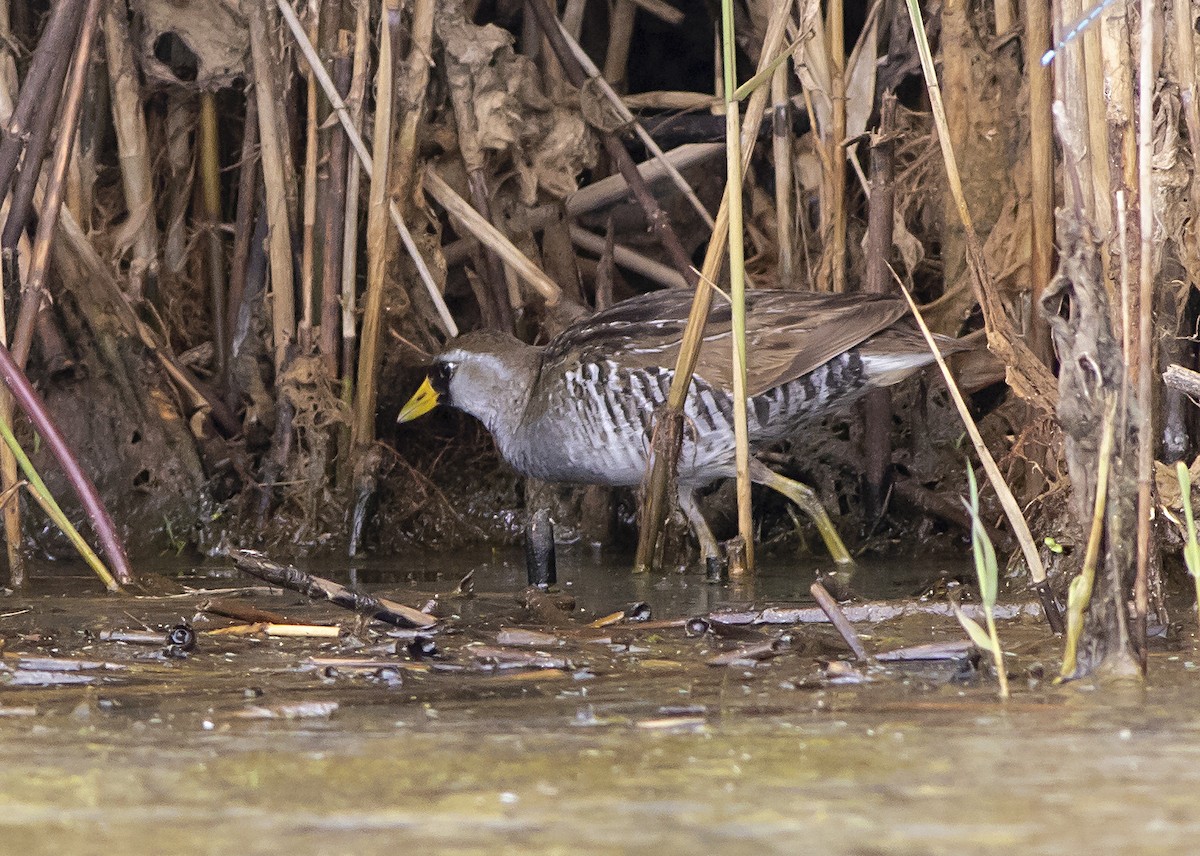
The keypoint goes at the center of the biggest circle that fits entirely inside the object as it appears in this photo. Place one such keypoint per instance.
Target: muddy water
(634, 745)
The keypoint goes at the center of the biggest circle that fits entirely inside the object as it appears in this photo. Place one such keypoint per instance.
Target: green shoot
(988, 572)
(1191, 548)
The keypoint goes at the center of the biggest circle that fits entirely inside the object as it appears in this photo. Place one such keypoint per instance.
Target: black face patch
(439, 379)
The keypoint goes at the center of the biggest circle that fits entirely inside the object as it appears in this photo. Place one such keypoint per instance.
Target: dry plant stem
(1041, 159)
(133, 146)
(877, 406)
(279, 250)
(360, 149)
(308, 240)
(1071, 85)
(624, 113)
(33, 407)
(838, 619)
(58, 39)
(362, 425)
(781, 143)
(319, 588)
(31, 294)
(1183, 379)
(1097, 127)
(620, 34)
(664, 275)
(1185, 67)
(1027, 375)
(1007, 501)
(653, 506)
(1145, 363)
(210, 181)
(243, 231)
(334, 225)
(838, 215)
(472, 221)
(657, 219)
(412, 95)
(358, 91)
(38, 142)
(737, 279)
(97, 289)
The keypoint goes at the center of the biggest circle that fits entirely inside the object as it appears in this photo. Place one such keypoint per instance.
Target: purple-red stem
(43, 423)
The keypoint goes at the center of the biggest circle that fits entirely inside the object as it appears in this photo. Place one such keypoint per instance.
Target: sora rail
(580, 409)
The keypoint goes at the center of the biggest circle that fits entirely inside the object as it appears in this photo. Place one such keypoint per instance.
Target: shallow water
(637, 746)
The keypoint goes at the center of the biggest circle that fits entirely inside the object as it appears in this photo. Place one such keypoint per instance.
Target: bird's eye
(440, 376)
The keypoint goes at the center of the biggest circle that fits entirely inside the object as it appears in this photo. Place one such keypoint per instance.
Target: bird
(580, 409)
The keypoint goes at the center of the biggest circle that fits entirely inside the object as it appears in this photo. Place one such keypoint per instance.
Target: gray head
(489, 375)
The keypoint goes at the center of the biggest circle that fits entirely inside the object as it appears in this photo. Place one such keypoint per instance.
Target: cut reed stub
(540, 564)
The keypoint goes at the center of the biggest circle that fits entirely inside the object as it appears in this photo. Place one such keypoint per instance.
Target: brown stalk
(1185, 68)
(1027, 375)
(781, 140)
(656, 218)
(362, 425)
(208, 144)
(1147, 74)
(411, 93)
(877, 406)
(620, 35)
(493, 295)
(1097, 126)
(21, 205)
(349, 302)
(276, 178)
(334, 226)
(669, 423)
(1041, 158)
(59, 38)
(243, 230)
(838, 215)
(133, 146)
(31, 295)
(308, 245)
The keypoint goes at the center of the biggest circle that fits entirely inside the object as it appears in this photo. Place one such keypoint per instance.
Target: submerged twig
(318, 588)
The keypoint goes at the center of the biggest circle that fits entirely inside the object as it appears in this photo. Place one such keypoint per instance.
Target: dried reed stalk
(781, 143)
(133, 148)
(1041, 159)
(620, 35)
(48, 214)
(362, 425)
(273, 140)
(1147, 74)
(308, 245)
(208, 144)
(669, 421)
(364, 157)
(737, 283)
(838, 214)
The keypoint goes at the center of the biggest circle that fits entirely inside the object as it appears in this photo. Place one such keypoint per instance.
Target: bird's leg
(807, 500)
(710, 551)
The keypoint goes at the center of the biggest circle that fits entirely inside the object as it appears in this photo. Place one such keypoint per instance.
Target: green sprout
(1191, 548)
(988, 572)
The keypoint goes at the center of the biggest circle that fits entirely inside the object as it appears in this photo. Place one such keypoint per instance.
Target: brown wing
(788, 333)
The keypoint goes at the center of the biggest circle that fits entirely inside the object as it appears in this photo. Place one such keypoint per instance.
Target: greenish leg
(806, 499)
(710, 551)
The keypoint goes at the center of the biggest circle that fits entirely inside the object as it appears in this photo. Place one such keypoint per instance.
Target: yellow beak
(423, 400)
